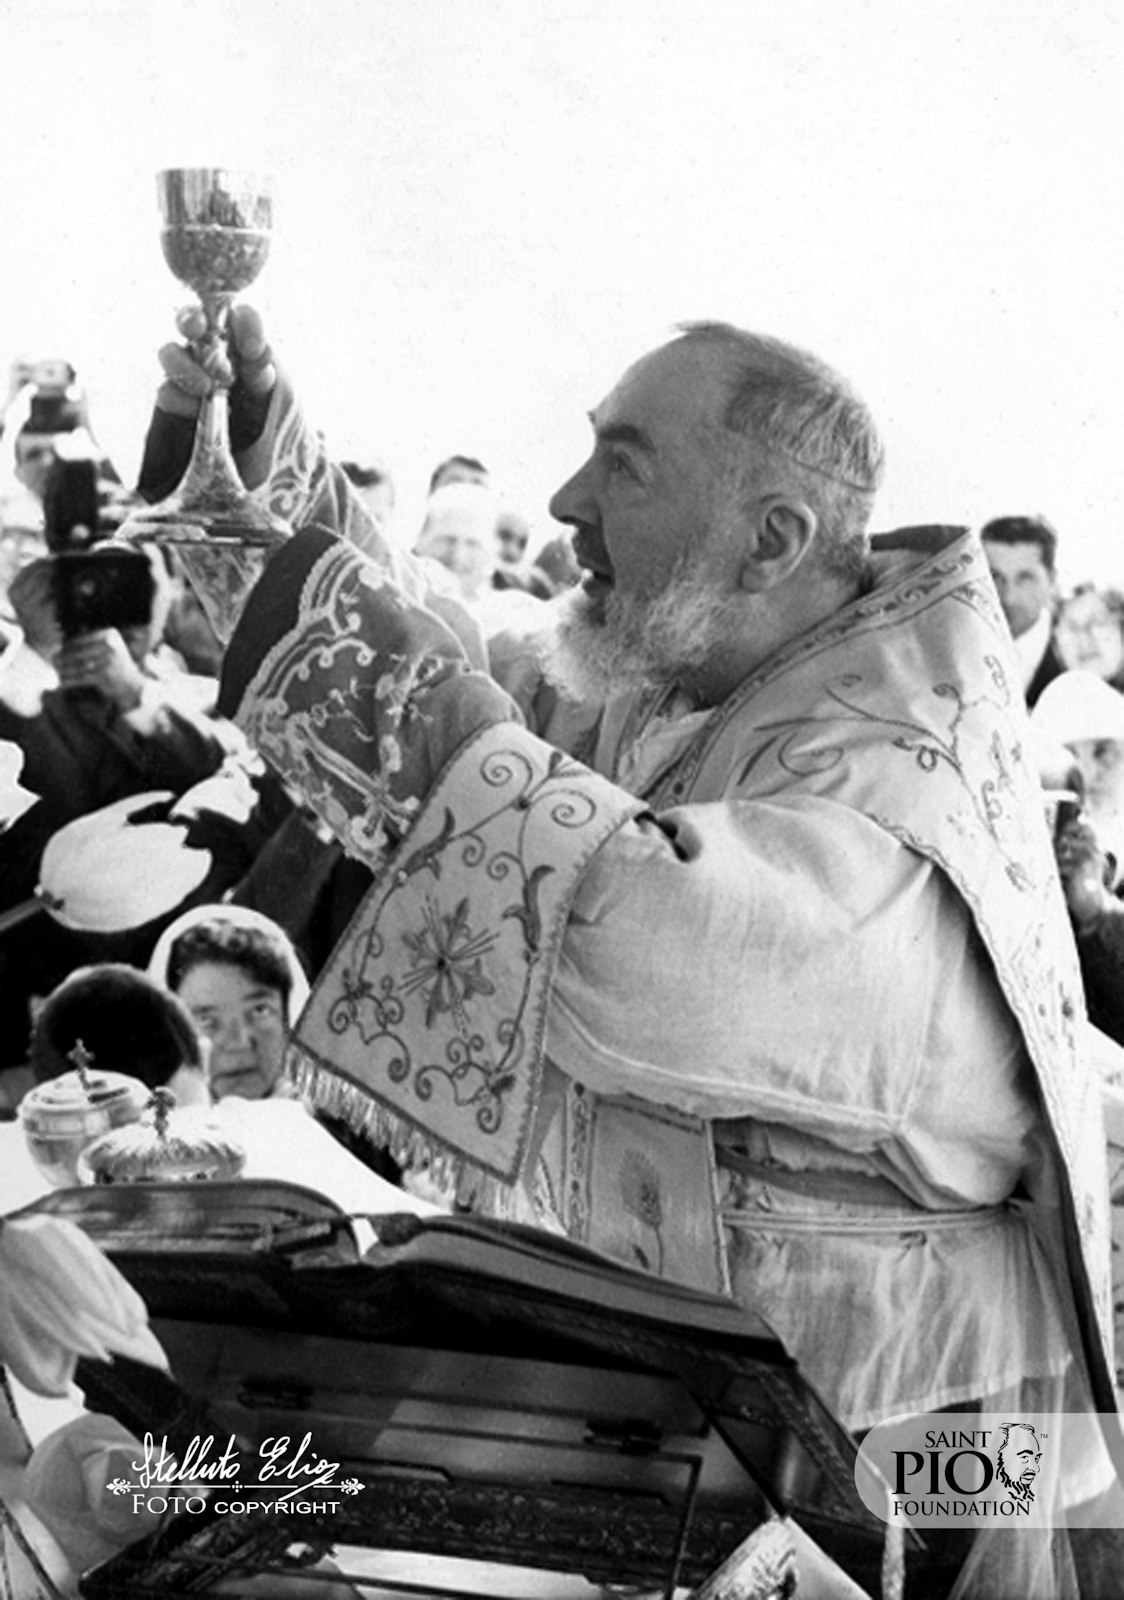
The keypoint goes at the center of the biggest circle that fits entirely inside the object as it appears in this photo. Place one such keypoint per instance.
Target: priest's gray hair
(812, 423)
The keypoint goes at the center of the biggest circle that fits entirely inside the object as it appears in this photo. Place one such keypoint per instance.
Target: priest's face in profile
(655, 512)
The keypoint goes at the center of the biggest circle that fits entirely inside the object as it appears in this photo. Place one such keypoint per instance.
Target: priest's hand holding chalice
(215, 235)
(232, 468)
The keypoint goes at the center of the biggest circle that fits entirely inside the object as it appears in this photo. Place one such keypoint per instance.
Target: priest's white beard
(598, 649)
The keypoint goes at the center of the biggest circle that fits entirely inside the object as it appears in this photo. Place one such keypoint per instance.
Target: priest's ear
(784, 529)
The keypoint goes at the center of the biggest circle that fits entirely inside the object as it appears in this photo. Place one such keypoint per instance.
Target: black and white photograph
(561, 799)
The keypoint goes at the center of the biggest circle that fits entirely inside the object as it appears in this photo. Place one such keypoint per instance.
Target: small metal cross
(83, 1060)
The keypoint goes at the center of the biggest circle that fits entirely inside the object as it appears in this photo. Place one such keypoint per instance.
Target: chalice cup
(215, 237)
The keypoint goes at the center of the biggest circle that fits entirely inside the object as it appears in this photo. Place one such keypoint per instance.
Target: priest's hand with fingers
(243, 363)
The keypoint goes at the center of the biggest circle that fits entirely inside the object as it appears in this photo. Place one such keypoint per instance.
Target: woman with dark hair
(239, 977)
(125, 1023)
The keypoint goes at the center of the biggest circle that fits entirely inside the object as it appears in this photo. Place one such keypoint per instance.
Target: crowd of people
(1070, 648)
(708, 894)
(95, 717)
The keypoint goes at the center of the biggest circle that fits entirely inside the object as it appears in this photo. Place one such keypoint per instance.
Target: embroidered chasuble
(562, 992)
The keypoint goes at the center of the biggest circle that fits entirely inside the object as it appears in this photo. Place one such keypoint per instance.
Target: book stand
(502, 1396)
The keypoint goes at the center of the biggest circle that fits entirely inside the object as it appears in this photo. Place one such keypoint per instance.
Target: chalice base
(190, 525)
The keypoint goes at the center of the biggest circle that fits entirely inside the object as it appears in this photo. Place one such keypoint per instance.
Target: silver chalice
(215, 237)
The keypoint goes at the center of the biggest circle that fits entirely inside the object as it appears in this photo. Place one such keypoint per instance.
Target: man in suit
(1021, 552)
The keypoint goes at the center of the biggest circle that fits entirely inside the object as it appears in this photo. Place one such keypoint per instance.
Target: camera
(104, 588)
(71, 504)
(52, 376)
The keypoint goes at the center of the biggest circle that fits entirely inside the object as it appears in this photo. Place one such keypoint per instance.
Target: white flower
(60, 1298)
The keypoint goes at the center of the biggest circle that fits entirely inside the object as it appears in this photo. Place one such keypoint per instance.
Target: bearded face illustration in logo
(1018, 1459)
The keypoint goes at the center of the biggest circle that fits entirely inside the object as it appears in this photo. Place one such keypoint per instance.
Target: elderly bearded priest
(765, 980)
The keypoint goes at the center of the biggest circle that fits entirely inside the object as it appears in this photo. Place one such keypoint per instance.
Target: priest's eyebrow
(622, 433)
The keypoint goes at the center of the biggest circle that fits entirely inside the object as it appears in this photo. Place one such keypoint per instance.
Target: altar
(515, 1416)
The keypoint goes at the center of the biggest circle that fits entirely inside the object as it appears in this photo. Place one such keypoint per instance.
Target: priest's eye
(621, 466)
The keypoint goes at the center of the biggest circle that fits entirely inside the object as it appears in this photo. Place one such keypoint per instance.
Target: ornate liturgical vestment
(779, 996)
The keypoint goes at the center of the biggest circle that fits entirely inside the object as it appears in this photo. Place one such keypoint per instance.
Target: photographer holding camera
(88, 696)
(102, 714)
(54, 475)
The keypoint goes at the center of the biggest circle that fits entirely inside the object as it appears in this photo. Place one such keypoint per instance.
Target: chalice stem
(212, 471)
(216, 308)
(210, 349)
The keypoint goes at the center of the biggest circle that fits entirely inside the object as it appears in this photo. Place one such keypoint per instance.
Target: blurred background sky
(485, 209)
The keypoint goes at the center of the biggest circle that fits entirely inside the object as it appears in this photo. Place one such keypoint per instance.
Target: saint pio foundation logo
(285, 1476)
(1017, 1460)
(954, 1469)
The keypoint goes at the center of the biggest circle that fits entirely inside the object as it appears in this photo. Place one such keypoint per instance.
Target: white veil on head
(239, 917)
